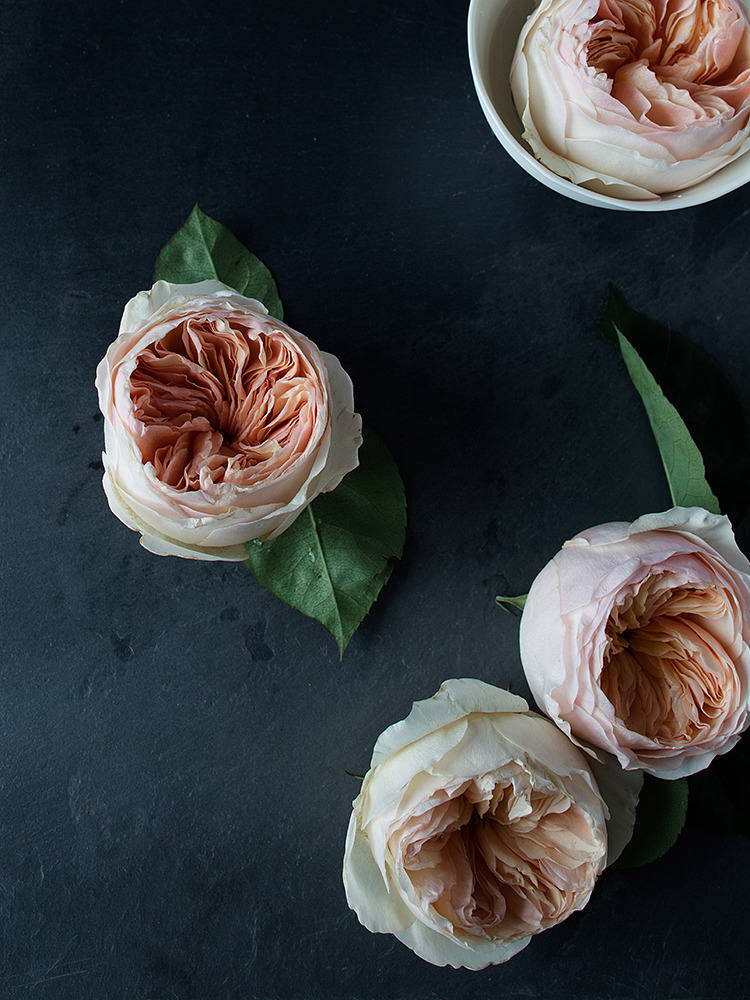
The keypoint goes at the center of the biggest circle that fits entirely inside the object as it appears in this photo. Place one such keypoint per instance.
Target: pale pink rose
(221, 424)
(635, 98)
(634, 640)
(478, 825)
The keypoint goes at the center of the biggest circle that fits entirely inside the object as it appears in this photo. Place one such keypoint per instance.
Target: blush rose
(478, 825)
(635, 98)
(634, 640)
(221, 424)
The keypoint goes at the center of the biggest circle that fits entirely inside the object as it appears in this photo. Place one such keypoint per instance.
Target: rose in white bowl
(478, 825)
(634, 640)
(635, 98)
(221, 424)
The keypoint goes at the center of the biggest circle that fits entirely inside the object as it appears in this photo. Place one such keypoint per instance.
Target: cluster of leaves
(332, 562)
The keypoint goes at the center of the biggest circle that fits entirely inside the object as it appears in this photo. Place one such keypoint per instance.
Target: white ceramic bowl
(494, 27)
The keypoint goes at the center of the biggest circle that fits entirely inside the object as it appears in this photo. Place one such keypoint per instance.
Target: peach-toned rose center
(220, 403)
(673, 62)
(666, 672)
(503, 864)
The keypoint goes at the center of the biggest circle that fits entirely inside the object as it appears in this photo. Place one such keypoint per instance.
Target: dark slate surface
(174, 741)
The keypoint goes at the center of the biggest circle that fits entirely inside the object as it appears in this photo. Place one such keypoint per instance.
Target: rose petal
(441, 950)
(377, 909)
(455, 699)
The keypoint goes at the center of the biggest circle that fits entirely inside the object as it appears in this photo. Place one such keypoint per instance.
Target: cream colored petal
(143, 306)
(542, 644)
(438, 949)
(367, 893)
(455, 699)
(713, 529)
(158, 544)
(216, 553)
(541, 741)
(346, 428)
(390, 776)
(484, 746)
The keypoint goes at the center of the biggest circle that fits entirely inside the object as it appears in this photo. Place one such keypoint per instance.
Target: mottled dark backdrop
(175, 742)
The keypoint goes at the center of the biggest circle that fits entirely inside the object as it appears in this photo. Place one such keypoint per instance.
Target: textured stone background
(175, 742)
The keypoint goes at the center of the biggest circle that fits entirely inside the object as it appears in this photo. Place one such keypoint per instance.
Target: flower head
(634, 639)
(221, 423)
(478, 825)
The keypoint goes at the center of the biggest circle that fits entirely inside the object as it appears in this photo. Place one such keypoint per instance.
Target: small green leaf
(662, 807)
(701, 393)
(512, 604)
(203, 248)
(331, 563)
(682, 461)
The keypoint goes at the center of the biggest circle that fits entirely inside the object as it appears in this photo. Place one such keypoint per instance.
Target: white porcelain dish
(493, 30)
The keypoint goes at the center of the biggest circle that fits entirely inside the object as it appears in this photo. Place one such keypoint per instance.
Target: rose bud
(635, 98)
(478, 825)
(634, 640)
(221, 424)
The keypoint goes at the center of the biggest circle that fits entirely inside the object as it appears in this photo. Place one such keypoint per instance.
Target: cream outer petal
(440, 950)
(192, 524)
(455, 699)
(379, 910)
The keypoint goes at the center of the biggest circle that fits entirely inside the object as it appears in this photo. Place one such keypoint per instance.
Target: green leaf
(662, 807)
(702, 394)
(331, 563)
(512, 604)
(682, 461)
(204, 249)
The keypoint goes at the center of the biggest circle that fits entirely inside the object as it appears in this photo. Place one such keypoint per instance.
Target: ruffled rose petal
(379, 910)
(455, 699)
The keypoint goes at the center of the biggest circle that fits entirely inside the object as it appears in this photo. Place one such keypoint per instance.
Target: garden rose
(635, 98)
(221, 424)
(634, 639)
(478, 825)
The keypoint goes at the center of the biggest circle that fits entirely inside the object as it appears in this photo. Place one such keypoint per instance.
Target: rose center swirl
(670, 61)
(666, 671)
(504, 866)
(217, 402)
